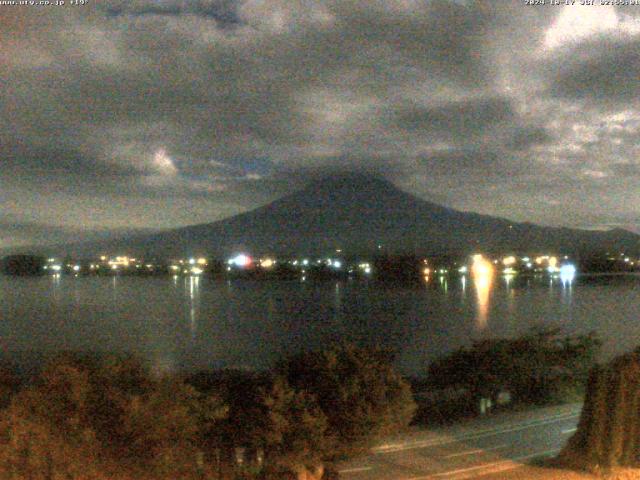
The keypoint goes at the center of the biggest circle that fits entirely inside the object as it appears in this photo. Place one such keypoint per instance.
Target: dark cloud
(222, 11)
(15, 233)
(457, 119)
(10, 226)
(462, 162)
(528, 136)
(58, 161)
(173, 112)
(606, 71)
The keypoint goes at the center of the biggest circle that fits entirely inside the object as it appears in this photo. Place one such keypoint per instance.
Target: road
(493, 444)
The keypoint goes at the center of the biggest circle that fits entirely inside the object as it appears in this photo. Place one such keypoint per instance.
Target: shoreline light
(481, 266)
(241, 260)
(267, 262)
(567, 273)
(510, 260)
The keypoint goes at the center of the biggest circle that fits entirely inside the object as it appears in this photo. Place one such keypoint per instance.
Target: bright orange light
(542, 259)
(510, 260)
(481, 266)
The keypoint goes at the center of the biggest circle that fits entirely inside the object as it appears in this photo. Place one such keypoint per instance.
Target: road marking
(354, 470)
(468, 452)
(478, 450)
(495, 466)
(489, 431)
(472, 436)
(568, 430)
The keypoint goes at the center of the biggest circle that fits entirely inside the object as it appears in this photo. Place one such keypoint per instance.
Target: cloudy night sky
(140, 115)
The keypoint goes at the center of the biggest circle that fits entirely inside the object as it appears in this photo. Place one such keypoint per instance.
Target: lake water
(191, 323)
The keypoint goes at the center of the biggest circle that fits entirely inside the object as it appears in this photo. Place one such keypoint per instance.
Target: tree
(166, 426)
(608, 433)
(46, 429)
(9, 385)
(358, 390)
(22, 265)
(86, 416)
(534, 368)
(293, 429)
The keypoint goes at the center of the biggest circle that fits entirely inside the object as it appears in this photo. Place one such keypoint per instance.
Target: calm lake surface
(191, 323)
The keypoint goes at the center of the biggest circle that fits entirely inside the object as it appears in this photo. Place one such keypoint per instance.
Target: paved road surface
(499, 443)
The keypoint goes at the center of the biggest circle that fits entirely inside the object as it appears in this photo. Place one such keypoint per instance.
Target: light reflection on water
(483, 284)
(193, 322)
(194, 299)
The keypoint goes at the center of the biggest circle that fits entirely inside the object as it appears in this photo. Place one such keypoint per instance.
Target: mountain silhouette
(361, 214)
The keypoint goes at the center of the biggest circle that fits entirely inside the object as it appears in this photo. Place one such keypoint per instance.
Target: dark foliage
(541, 367)
(399, 269)
(87, 415)
(22, 265)
(93, 416)
(358, 390)
(608, 433)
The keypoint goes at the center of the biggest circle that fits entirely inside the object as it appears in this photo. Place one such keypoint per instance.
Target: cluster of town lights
(479, 266)
(483, 268)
